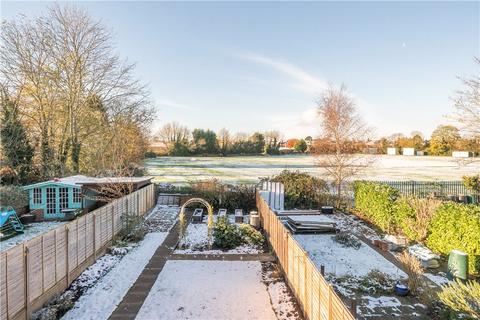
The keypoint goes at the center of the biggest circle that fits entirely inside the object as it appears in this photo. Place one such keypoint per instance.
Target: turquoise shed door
(51, 204)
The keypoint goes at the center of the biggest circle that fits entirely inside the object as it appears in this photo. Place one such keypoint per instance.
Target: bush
(221, 195)
(250, 235)
(302, 191)
(472, 183)
(150, 154)
(376, 202)
(347, 240)
(456, 226)
(413, 216)
(226, 235)
(13, 196)
(462, 297)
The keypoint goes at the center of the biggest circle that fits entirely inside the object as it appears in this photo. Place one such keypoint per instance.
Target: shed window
(77, 195)
(37, 195)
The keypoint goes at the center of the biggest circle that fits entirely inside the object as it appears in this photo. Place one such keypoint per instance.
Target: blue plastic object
(9, 216)
(401, 289)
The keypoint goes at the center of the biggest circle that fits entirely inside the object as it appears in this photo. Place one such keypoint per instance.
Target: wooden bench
(222, 212)
(238, 216)
(197, 215)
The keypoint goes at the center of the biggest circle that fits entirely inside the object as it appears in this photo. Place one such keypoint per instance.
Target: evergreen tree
(15, 144)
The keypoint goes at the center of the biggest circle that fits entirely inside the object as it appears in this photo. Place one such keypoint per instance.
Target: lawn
(209, 290)
(180, 170)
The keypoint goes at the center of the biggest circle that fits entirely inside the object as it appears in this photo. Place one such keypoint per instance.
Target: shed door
(51, 202)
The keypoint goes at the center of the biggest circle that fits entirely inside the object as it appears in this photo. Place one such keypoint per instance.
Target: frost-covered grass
(180, 170)
(31, 231)
(208, 290)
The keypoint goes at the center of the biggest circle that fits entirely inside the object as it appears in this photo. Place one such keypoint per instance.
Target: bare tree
(172, 133)
(72, 84)
(342, 131)
(467, 104)
(224, 140)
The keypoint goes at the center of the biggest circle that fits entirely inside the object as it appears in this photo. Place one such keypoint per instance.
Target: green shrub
(463, 298)
(302, 191)
(250, 235)
(472, 183)
(456, 226)
(226, 235)
(376, 202)
(13, 196)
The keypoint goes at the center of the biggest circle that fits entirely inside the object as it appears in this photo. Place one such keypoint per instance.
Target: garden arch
(182, 215)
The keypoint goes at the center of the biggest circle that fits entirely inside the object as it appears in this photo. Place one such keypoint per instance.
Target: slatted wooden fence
(36, 270)
(316, 297)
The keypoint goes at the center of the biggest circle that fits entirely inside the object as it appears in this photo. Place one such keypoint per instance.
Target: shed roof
(81, 180)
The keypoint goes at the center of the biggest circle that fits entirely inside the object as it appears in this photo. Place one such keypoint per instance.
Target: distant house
(51, 199)
(408, 151)
(461, 154)
(392, 151)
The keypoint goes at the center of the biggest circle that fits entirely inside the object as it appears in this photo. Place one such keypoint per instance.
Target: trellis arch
(210, 216)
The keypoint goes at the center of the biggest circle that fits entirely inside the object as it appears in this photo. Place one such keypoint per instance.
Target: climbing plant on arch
(183, 222)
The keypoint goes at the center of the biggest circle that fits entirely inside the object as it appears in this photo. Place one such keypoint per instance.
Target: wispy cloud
(302, 80)
(174, 105)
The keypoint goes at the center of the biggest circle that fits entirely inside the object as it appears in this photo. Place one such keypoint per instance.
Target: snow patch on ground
(31, 231)
(438, 279)
(208, 290)
(342, 261)
(195, 241)
(100, 301)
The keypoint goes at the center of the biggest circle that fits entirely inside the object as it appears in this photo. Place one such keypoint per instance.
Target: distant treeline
(177, 140)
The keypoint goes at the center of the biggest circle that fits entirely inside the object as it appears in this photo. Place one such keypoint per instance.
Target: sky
(257, 66)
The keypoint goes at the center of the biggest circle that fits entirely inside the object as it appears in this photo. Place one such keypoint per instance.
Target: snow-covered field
(180, 170)
(208, 290)
(30, 232)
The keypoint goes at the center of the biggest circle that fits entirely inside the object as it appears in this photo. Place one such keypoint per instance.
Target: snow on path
(101, 300)
(208, 290)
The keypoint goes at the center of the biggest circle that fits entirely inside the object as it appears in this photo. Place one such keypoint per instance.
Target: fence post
(67, 260)
(25, 263)
(353, 308)
(94, 237)
(330, 293)
(113, 222)
(322, 270)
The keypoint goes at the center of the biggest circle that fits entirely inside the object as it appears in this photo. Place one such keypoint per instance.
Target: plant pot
(401, 289)
(27, 218)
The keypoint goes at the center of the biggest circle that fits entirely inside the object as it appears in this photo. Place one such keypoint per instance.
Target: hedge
(377, 203)
(453, 225)
(457, 226)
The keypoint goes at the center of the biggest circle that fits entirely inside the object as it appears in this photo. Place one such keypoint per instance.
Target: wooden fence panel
(3, 286)
(315, 295)
(72, 246)
(35, 268)
(61, 252)
(31, 268)
(16, 280)
(81, 239)
(48, 251)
